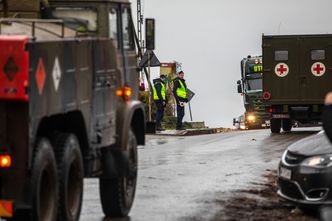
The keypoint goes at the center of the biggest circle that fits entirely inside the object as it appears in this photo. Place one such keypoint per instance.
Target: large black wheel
(117, 195)
(44, 182)
(275, 125)
(70, 175)
(287, 125)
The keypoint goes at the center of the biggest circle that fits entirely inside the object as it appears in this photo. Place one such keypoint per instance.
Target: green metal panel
(23, 5)
(314, 88)
(299, 86)
(281, 88)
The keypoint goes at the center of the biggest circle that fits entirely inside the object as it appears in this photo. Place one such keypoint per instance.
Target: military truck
(297, 75)
(68, 107)
(239, 122)
(250, 87)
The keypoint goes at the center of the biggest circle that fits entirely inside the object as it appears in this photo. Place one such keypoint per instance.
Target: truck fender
(130, 115)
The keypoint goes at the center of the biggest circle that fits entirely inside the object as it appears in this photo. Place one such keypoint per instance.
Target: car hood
(317, 144)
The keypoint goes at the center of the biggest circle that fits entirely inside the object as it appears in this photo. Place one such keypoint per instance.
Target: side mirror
(235, 121)
(150, 33)
(239, 89)
(327, 116)
(325, 213)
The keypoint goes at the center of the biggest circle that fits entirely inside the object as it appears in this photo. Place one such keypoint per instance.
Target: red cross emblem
(281, 69)
(318, 69)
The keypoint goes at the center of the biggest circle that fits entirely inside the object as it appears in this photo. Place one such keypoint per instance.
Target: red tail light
(266, 95)
(14, 68)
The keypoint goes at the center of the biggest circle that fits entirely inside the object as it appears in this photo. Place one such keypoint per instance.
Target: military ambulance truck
(297, 75)
(250, 87)
(68, 107)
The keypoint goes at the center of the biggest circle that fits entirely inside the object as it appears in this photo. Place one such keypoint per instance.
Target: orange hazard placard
(6, 209)
(40, 76)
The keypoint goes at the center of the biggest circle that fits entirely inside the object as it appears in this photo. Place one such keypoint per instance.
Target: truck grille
(293, 159)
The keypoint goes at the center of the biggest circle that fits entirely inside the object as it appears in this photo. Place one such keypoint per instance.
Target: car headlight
(318, 161)
(251, 118)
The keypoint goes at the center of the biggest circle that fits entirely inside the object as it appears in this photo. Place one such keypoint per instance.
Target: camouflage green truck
(69, 107)
(250, 87)
(297, 75)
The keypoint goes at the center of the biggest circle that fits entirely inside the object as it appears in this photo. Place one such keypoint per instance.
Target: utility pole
(140, 36)
(139, 23)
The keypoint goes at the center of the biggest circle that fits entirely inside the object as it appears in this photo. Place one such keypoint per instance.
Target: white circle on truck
(281, 70)
(318, 69)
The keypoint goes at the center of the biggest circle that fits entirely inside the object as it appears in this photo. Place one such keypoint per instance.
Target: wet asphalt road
(182, 177)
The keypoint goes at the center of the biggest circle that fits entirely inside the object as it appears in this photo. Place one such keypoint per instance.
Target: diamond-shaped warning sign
(10, 68)
(40, 76)
(56, 74)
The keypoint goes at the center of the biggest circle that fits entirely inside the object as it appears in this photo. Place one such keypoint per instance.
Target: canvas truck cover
(297, 68)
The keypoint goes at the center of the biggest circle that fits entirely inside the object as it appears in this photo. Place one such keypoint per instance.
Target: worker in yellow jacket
(160, 99)
(181, 97)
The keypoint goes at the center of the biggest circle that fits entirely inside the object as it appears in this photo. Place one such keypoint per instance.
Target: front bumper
(306, 185)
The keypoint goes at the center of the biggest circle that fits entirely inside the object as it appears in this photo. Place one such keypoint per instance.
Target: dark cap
(162, 76)
(180, 72)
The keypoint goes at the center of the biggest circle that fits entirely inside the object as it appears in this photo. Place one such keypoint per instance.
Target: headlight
(318, 161)
(251, 118)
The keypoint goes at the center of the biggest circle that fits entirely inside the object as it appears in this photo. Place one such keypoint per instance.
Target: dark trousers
(159, 114)
(179, 115)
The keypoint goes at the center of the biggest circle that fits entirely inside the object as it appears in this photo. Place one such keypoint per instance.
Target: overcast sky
(210, 38)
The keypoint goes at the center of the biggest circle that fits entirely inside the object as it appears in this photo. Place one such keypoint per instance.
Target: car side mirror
(325, 213)
(327, 116)
(239, 89)
(235, 121)
(150, 34)
(327, 121)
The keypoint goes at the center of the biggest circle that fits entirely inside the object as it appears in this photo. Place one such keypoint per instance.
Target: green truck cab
(250, 87)
(297, 75)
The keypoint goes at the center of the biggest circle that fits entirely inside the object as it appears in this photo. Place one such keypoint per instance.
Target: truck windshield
(254, 85)
(79, 19)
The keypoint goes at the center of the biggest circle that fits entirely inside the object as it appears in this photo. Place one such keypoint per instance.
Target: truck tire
(287, 125)
(44, 182)
(70, 175)
(117, 194)
(275, 125)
